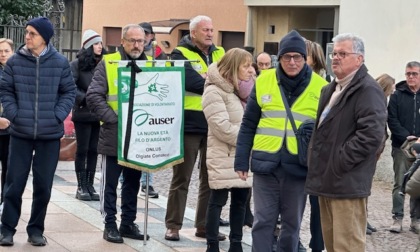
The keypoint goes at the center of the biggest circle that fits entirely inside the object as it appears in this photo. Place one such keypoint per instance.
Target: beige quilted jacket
(223, 111)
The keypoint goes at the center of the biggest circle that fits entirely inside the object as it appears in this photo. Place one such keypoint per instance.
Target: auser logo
(141, 117)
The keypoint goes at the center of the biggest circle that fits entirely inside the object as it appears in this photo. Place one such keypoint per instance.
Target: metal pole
(146, 209)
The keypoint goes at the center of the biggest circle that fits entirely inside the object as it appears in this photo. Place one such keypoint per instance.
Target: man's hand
(242, 175)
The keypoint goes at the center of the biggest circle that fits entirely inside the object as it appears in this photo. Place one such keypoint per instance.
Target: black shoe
(235, 247)
(37, 240)
(152, 193)
(372, 228)
(111, 234)
(132, 231)
(368, 231)
(6, 240)
(92, 193)
(223, 222)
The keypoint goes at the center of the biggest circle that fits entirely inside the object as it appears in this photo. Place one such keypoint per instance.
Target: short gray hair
(413, 64)
(196, 20)
(129, 27)
(358, 45)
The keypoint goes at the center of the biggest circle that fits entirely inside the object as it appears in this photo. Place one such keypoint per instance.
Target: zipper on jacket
(36, 97)
(208, 60)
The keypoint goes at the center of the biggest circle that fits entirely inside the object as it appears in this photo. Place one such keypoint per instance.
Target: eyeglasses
(296, 57)
(414, 74)
(340, 55)
(31, 34)
(134, 41)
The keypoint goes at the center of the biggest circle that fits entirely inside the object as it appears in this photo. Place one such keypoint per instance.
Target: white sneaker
(1, 209)
(396, 226)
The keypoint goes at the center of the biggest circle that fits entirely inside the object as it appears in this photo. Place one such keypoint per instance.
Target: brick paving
(76, 226)
(379, 209)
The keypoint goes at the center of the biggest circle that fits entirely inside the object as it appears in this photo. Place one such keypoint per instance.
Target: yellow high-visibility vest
(274, 125)
(111, 70)
(192, 101)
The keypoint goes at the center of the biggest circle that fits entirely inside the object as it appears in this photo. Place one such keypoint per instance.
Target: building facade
(389, 28)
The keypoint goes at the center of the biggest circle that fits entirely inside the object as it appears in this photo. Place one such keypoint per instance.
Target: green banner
(150, 128)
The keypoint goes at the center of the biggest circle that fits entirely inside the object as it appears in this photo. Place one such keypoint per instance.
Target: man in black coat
(404, 124)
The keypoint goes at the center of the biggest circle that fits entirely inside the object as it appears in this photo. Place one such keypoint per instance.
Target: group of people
(238, 125)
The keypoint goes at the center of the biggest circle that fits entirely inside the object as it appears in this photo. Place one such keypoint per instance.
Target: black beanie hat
(44, 27)
(292, 42)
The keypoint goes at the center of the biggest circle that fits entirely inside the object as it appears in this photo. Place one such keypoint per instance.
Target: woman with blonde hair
(387, 84)
(223, 111)
(315, 58)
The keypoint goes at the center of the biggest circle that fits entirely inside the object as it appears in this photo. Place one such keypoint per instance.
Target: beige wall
(226, 15)
(390, 31)
(286, 19)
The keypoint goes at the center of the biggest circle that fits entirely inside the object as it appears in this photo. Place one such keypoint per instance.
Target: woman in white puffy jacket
(223, 110)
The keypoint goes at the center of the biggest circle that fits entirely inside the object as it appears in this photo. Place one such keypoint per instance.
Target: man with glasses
(404, 124)
(37, 94)
(101, 97)
(267, 141)
(342, 153)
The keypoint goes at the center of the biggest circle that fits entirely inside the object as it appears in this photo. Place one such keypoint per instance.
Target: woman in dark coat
(85, 123)
(6, 50)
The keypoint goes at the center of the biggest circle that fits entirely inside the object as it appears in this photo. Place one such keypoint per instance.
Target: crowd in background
(283, 134)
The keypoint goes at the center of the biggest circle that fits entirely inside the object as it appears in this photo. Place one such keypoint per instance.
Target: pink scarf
(245, 88)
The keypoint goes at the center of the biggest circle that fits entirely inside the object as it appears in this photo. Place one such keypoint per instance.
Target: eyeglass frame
(31, 34)
(292, 57)
(409, 74)
(340, 55)
(134, 41)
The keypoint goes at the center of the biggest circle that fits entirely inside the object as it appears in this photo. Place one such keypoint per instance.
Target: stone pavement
(73, 225)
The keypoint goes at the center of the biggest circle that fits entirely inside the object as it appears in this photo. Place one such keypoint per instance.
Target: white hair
(196, 20)
(358, 45)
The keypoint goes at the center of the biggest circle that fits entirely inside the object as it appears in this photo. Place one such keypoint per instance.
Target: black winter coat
(96, 99)
(194, 121)
(81, 112)
(37, 94)
(403, 114)
(342, 151)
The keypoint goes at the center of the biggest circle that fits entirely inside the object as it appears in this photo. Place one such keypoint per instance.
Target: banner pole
(146, 209)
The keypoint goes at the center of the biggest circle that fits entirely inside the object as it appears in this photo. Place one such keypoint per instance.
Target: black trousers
(111, 171)
(4, 155)
(317, 241)
(87, 136)
(217, 200)
(43, 156)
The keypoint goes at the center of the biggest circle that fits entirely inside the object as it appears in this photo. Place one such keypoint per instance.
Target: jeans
(143, 178)
(401, 166)
(218, 199)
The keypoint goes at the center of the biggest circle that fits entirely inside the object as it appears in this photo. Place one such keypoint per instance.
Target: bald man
(263, 61)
